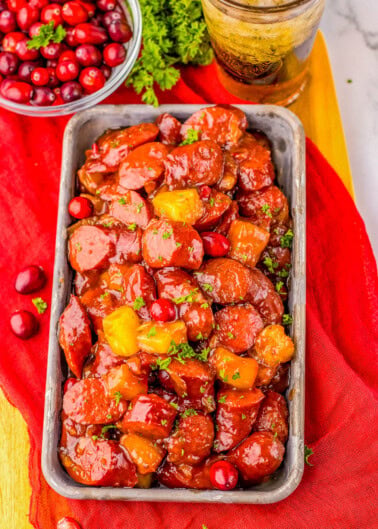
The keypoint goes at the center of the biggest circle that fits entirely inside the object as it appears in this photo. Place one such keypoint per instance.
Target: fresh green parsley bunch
(174, 31)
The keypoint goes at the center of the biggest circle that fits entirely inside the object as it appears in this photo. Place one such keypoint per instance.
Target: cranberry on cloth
(340, 490)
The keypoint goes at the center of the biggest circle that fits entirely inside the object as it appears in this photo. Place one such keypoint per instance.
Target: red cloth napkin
(340, 490)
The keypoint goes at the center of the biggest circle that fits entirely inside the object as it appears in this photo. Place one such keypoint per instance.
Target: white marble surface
(351, 30)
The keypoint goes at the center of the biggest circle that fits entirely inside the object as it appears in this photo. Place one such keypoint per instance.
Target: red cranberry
(163, 310)
(27, 16)
(67, 70)
(215, 244)
(11, 39)
(106, 70)
(58, 97)
(52, 12)
(16, 91)
(53, 80)
(114, 54)
(223, 475)
(25, 70)
(68, 523)
(68, 55)
(8, 63)
(3, 5)
(112, 16)
(42, 97)
(90, 34)
(52, 50)
(70, 37)
(40, 76)
(30, 279)
(119, 31)
(69, 383)
(80, 208)
(39, 4)
(92, 79)
(24, 53)
(89, 7)
(71, 91)
(205, 192)
(16, 5)
(106, 5)
(34, 29)
(7, 21)
(23, 324)
(88, 55)
(51, 63)
(74, 13)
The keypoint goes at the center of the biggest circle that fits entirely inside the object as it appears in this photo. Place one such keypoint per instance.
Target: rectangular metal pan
(288, 143)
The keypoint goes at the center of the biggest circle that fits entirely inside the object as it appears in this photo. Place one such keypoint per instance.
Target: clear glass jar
(262, 47)
(119, 75)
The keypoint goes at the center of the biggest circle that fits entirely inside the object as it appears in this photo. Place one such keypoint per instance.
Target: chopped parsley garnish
(236, 375)
(104, 429)
(164, 422)
(204, 306)
(307, 453)
(174, 405)
(132, 227)
(270, 264)
(167, 234)
(286, 241)
(211, 201)
(199, 336)
(243, 417)
(122, 201)
(279, 285)
(40, 305)
(191, 137)
(222, 400)
(266, 209)
(191, 249)
(163, 363)
(181, 351)
(139, 207)
(204, 354)
(178, 244)
(207, 287)
(151, 332)
(117, 397)
(189, 298)
(46, 34)
(138, 303)
(230, 335)
(189, 412)
(287, 319)
(222, 374)
(160, 257)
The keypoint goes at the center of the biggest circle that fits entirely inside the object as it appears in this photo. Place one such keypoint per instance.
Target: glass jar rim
(292, 4)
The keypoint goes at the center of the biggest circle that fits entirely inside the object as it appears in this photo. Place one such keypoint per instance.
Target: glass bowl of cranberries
(61, 56)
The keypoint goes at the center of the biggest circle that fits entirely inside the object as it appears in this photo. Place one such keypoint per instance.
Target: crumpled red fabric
(340, 490)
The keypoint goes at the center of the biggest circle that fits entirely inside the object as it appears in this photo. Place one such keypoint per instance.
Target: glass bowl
(119, 74)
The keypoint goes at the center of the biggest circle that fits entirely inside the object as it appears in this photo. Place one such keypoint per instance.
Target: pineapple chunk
(121, 381)
(247, 242)
(144, 453)
(155, 337)
(273, 346)
(234, 370)
(120, 329)
(183, 205)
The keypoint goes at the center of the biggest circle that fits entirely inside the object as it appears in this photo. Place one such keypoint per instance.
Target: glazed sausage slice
(150, 416)
(224, 280)
(264, 298)
(99, 303)
(200, 163)
(142, 165)
(75, 336)
(231, 214)
(175, 284)
(198, 318)
(273, 416)
(258, 456)
(131, 208)
(236, 414)
(192, 441)
(103, 359)
(138, 290)
(169, 129)
(115, 145)
(183, 247)
(99, 463)
(87, 402)
(236, 327)
(186, 476)
(90, 248)
(266, 205)
(128, 245)
(222, 124)
(217, 204)
(256, 168)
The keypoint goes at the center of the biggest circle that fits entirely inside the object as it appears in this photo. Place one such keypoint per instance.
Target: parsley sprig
(46, 34)
(174, 31)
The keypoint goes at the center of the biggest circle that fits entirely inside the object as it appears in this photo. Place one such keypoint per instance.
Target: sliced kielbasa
(90, 248)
